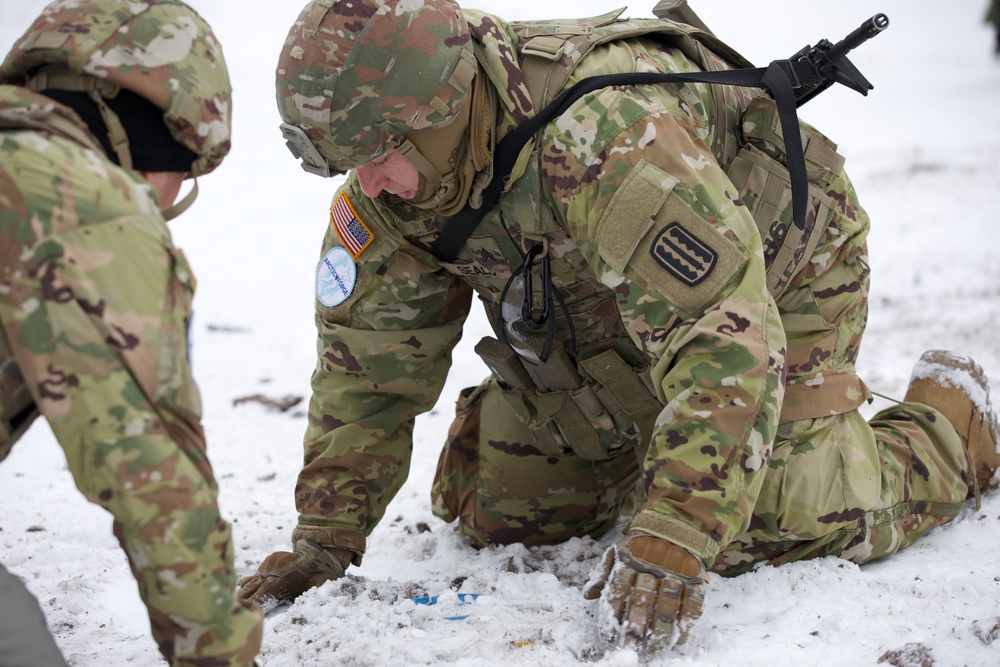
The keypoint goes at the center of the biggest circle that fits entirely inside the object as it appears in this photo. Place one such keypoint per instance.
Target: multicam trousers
(836, 485)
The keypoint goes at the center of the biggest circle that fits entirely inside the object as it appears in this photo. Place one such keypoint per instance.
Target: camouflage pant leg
(919, 480)
(502, 490)
(100, 341)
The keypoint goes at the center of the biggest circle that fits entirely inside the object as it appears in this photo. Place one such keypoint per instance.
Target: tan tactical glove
(651, 589)
(284, 576)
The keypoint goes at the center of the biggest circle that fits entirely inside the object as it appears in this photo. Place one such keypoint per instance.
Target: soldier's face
(390, 172)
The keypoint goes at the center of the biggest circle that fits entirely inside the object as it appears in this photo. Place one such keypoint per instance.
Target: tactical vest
(757, 166)
(599, 401)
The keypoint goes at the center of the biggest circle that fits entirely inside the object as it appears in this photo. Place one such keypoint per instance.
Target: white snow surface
(923, 149)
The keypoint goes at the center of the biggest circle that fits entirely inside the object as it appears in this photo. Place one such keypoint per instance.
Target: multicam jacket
(642, 200)
(95, 302)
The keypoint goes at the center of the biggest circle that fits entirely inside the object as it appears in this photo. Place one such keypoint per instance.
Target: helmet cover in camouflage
(356, 75)
(159, 49)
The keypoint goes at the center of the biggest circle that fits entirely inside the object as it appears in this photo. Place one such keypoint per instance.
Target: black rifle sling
(777, 78)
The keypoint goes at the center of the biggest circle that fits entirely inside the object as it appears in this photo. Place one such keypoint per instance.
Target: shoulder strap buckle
(549, 47)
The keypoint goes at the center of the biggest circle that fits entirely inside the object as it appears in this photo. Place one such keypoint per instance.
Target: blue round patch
(336, 276)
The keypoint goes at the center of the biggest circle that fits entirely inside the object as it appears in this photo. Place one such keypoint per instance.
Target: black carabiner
(528, 309)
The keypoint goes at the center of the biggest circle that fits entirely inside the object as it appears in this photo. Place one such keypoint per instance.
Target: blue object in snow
(463, 599)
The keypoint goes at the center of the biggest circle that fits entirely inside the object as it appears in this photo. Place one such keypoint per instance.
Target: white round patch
(336, 276)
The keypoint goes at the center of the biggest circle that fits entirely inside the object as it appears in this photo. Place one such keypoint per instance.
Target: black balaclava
(152, 146)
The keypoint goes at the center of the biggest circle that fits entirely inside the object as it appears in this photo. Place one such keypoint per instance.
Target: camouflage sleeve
(387, 323)
(94, 307)
(654, 213)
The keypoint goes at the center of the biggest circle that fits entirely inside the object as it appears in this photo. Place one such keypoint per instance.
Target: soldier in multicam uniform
(664, 334)
(105, 108)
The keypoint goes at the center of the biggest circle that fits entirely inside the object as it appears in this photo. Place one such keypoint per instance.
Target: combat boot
(955, 386)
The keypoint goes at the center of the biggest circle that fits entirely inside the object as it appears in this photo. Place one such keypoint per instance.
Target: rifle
(830, 64)
(791, 82)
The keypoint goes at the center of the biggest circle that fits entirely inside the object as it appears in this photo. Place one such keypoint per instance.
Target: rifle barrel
(861, 34)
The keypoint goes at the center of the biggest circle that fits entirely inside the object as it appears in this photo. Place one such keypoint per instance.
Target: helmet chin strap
(183, 204)
(438, 156)
(432, 188)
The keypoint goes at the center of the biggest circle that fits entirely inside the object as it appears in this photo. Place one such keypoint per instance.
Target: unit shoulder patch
(336, 276)
(687, 259)
(650, 232)
(683, 254)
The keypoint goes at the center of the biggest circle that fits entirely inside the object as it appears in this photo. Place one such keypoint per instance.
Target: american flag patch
(353, 233)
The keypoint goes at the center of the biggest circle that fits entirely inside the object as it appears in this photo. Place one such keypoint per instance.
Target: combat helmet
(354, 77)
(161, 50)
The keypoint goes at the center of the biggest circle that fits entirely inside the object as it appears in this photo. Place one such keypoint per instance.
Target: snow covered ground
(923, 150)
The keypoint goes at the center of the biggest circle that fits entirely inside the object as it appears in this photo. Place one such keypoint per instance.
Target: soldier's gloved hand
(651, 591)
(283, 576)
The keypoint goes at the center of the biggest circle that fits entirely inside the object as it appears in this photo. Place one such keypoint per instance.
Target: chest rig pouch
(600, 407)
